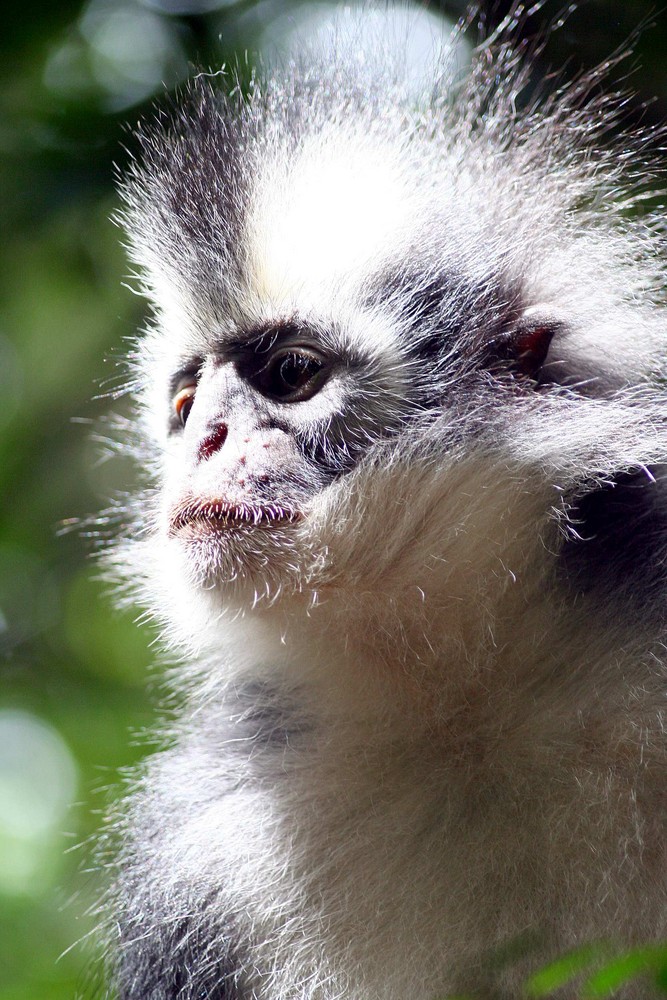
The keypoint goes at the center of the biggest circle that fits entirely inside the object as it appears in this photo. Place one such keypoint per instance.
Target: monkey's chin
(237, 552)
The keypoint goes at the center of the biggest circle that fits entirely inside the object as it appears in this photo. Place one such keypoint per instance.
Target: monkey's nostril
(212, 442)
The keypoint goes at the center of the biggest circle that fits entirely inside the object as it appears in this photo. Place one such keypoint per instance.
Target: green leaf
(564, 969)
(650, 959)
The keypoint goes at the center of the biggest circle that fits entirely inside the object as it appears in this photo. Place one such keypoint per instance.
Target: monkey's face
(258, 428)
(312, 311)
(275, 365)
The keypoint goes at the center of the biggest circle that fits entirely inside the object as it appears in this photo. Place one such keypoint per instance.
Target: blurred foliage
(595, 971)
(73, 683)
(600, 970)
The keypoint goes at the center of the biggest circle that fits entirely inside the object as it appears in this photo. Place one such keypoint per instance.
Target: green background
(76, 689)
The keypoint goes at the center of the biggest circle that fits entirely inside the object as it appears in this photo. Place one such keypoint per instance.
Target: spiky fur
(425, 720)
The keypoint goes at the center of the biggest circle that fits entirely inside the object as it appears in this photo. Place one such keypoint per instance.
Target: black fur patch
(179, 960)
(452, 321)
(188, 191)
(617, 539)
(267, 719)
(441, 317)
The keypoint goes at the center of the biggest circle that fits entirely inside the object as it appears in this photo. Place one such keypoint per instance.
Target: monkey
(400, 415)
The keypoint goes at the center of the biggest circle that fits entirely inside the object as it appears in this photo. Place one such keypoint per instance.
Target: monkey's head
(375, 327)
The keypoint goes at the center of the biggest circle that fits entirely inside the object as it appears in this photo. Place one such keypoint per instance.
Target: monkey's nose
(212, 442)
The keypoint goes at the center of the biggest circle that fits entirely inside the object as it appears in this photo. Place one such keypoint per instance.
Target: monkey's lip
(222, 515)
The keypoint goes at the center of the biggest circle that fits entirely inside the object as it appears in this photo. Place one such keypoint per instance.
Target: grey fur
(418, 614)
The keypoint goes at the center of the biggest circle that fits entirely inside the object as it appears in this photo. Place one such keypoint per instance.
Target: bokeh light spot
(38, 780)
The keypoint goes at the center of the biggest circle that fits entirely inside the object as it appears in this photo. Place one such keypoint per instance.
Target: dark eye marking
(283, 364)
(292, 374)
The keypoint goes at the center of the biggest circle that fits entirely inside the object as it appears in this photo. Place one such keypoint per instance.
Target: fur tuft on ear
(531, 342)
(523, 349)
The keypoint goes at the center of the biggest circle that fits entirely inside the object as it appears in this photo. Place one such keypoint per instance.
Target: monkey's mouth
(220, 515)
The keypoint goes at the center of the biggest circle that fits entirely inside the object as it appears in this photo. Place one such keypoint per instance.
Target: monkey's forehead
(296, 201)
(342, 204)
(257, 221)
(286, 205)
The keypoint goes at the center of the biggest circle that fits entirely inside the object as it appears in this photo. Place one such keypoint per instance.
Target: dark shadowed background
(75, 691)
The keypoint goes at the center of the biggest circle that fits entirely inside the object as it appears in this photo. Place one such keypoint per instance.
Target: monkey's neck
(370, 656)
(410, 663)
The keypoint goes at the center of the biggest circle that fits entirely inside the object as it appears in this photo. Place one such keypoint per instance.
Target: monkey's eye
(182, 402)
(291, 375)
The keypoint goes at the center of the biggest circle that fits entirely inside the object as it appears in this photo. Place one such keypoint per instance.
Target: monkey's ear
(523, 349)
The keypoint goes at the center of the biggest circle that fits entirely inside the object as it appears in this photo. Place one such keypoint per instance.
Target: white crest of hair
(479, 749)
